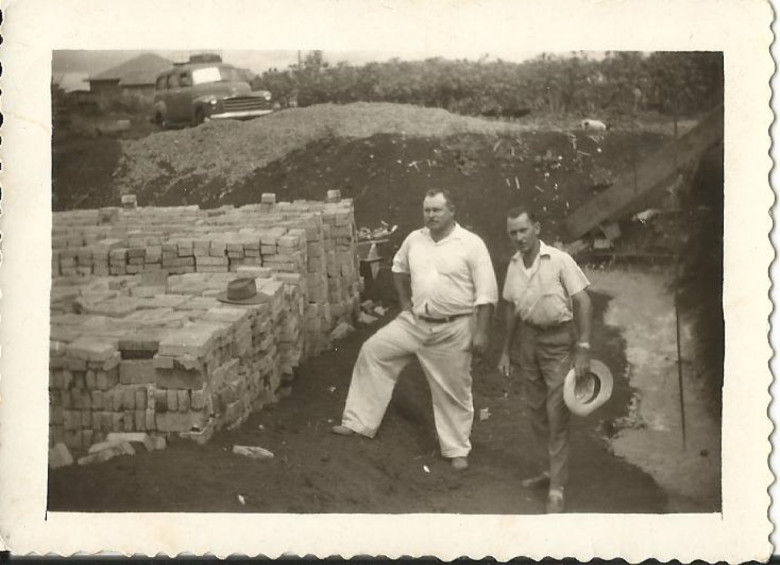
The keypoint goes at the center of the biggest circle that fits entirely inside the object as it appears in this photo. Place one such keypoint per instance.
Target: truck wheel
(200, 116)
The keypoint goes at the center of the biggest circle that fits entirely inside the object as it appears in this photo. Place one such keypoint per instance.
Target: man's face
(438, 215)
(523, 232)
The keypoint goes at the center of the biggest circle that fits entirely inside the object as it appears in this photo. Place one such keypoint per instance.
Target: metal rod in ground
(678, 276)
(679, 367)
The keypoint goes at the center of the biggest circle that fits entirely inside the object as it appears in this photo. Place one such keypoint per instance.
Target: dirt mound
(384, 156)
(228, 152)
(387, 176)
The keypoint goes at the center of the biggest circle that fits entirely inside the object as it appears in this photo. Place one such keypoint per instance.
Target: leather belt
(550, 328)
(444, 320)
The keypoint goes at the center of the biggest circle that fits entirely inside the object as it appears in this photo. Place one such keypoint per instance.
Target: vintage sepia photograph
(310, 184)
(343, 278)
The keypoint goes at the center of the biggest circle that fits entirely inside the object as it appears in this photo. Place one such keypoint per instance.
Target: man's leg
(554, 354)
(536, 399)
(446, 361)
(376, 371)
(555, 362)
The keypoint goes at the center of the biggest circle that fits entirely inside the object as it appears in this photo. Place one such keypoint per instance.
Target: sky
(96, 61)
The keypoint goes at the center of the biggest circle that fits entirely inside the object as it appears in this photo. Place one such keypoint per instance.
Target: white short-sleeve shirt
(449, 277)
(542, 293)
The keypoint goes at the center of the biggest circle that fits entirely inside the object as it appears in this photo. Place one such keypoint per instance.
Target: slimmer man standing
(545, 292)
(447, 289)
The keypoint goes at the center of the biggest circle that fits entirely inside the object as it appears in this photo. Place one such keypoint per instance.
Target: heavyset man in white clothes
(447, 289)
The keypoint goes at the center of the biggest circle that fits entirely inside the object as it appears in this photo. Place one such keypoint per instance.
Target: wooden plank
(653, 173)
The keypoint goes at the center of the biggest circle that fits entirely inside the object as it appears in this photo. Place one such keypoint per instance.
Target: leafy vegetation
(671, 83)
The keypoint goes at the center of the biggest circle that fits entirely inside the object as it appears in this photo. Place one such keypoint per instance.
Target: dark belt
(444, 320)
(547, 328)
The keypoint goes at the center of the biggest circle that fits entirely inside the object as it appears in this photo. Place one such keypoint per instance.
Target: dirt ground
(316, 471)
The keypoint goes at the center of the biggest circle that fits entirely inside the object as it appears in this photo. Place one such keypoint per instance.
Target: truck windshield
(215, 74)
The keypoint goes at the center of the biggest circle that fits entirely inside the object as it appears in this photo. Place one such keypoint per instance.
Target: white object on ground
(595, 125)
(59, 456)
(341, 331)
(252, 451)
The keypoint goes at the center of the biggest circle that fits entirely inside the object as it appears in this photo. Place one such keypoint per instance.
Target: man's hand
(581, 362)
(504, 364)
(479, 342)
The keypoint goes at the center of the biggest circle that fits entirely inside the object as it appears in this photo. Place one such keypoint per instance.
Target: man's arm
(510, 325)
(403, 286)
(479, 343)
(583, 312)
(485, 294)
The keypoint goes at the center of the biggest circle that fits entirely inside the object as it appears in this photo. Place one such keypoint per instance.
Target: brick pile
(139, 342)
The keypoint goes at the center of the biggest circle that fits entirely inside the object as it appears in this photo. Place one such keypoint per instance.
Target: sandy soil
(652, 436)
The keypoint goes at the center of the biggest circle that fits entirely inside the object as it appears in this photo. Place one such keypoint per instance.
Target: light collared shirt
(542, 293)
(450, 276)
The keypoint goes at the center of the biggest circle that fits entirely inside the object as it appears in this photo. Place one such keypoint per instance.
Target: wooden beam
(653, 173)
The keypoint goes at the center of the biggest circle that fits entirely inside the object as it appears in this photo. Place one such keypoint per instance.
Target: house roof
(70, 82)
(137, 71)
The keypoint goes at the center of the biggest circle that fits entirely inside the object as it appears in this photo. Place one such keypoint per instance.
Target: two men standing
(447, 289)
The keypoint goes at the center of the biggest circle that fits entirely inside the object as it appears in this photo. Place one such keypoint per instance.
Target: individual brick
(149, 420)
(128, 398)
(76, 364)
(162, 362)
(218, 248)
(136, 371)
(195, 340)
(184, 401)
(172, 400)
(71, 419)
(197, 399)
(161, 400)
(55, 415)
(140, 399)
(139, 422)
(129, 421)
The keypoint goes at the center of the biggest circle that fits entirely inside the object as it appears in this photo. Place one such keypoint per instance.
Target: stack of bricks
(175, 362)
(139, 341)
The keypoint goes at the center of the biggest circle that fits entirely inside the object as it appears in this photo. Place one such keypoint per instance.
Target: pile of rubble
(139, 341)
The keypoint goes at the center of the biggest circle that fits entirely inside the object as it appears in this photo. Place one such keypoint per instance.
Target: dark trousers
(544, 357)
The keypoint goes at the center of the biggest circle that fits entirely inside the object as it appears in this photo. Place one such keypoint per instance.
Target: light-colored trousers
(444, 351)
(544, 359)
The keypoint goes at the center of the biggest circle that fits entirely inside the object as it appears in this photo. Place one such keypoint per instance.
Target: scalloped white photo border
(32, 29)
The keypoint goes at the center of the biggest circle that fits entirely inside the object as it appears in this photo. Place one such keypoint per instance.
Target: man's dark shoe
(460, 463)
(554, 502)
(342, 430)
